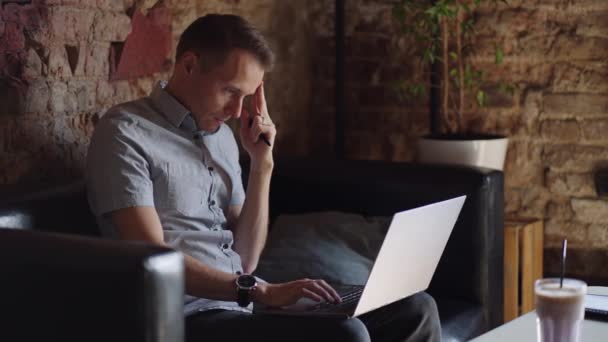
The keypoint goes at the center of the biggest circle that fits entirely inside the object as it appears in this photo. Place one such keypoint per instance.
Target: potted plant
(442, 30)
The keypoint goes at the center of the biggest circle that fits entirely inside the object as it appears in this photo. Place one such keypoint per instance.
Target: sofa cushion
(334, 246)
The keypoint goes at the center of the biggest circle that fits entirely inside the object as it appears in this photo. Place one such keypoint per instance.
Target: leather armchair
(60, 287)
(69, 287)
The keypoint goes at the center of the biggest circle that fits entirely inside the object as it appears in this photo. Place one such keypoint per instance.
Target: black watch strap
(243, 297)
(246, 284)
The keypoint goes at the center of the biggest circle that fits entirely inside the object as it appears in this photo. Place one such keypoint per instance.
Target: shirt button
(212, 202)
(210, 168)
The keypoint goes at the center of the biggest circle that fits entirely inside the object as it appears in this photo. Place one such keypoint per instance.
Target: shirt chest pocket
(185, 187)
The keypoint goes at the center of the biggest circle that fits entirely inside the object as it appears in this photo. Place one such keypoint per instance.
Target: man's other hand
(278, 295)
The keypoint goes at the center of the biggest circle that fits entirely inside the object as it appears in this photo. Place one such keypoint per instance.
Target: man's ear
(189, 62)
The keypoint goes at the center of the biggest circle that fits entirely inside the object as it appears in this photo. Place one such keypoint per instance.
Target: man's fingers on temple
(258, 100)
(262, 97)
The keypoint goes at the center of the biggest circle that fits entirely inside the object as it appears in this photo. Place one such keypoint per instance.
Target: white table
(523, 329)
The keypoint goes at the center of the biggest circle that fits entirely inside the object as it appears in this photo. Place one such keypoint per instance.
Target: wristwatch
(245, 285)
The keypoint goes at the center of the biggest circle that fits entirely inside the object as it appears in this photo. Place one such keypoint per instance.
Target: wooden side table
(523, 264)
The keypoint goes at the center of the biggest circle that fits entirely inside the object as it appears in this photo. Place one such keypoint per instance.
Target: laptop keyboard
(348, 298)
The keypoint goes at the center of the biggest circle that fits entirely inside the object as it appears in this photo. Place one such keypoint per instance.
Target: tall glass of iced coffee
(560, 309)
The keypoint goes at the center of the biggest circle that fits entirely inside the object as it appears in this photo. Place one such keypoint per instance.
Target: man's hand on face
(278, 295)
(256, 124)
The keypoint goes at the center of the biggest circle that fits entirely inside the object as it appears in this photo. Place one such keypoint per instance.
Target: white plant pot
(488, 153)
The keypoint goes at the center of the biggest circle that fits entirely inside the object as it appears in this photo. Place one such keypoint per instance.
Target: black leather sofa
(94, 289)
(468, 283)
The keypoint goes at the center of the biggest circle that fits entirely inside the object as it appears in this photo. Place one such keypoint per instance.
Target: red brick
(595, 130)
(580, 77)
(111, 26)
(58, 97)
(564, 157)
(573, 47)
(560, 130)
(571, 184)
(83, 96)
(523, 164)
(97, 60)
(37, 97)
(593, 24)
(32, 67)
(575, 104)
(58, 65)
(560, 208)
(69, 24)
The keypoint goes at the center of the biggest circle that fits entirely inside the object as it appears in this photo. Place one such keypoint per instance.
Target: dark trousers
(412, 319)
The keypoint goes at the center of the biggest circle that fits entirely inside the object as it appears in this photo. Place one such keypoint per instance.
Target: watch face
(247, 280)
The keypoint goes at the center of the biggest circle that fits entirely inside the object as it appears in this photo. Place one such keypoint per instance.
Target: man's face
(217, 94)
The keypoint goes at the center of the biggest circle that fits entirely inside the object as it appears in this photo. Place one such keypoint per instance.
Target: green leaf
(432, 11)
(429, 56)
(467, 25)
(417, 89)
(498, 55)
(481, 97)
(454, 55)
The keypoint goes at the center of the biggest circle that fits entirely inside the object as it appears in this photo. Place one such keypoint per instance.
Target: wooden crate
(523, 264)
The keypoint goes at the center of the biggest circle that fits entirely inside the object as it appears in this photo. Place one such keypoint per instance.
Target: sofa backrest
(61, 209)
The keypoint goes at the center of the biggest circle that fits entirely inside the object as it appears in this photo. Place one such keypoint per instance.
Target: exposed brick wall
(63, 63)
(557, 56)
(55, 83)
(378, 125)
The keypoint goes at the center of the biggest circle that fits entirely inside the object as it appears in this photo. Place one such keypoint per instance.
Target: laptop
(405, 264)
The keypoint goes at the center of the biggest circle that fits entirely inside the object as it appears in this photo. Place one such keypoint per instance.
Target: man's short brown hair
(215, 35)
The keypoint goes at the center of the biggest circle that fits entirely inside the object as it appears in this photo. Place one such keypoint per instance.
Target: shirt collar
(178, 115)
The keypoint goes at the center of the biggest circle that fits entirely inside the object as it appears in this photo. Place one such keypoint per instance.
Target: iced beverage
(560, 310)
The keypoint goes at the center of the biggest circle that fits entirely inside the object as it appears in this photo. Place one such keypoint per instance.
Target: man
(164, 169)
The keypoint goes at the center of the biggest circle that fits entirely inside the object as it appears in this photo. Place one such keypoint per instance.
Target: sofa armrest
(69, 288)
(471, 266)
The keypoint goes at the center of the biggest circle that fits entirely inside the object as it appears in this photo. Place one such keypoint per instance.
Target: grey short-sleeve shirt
(148, 152)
